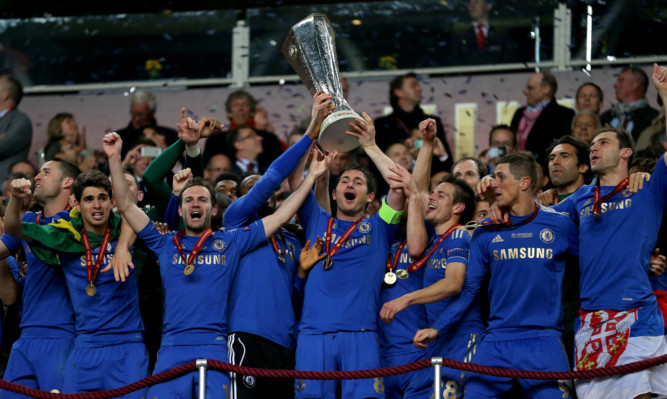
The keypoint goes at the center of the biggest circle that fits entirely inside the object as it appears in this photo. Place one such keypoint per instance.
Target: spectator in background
(502, 141)
(632, 111)
(217, 165)
(405, 95)
(241, 108)
(650, 140)
(589, 98)
(542, 120)
(143, 105)
(15, 126)
(25, 167)
(584, 125)
(478, 42)
(66, 142)
(248, 145)
(471, 170)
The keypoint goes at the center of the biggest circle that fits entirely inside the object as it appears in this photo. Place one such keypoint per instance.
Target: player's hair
(482, 169)
(463, 194)
(371, 182)
(198, 181)
(67, 169)
(91, 178)
(522, 165)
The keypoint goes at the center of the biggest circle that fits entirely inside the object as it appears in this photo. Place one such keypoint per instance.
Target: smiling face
(351, 193)
(441, 205)
(196, 209)
(95, 207)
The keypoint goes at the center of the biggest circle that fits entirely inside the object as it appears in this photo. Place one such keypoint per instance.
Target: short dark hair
(463, 194)
(396, 84)
(67, 169)
(522, 165)
(482, 169)
(624, 138)
(504, 127)
(228, 176)
(240, 94)
(198, 181)
(596, 87)
(15, 89)
(371, 182)
(91, 178)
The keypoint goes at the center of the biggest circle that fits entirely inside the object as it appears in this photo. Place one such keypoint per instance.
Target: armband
(389, 215)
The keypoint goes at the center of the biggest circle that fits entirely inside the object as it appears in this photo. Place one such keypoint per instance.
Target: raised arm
(660, 81)
(20, 189)
(365, 132)
(417, 236)
(291, 205)
(422, 170)
(136, 218)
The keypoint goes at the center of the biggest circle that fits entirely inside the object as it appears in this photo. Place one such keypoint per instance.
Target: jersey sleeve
(244, 209)
(478, 265)
(568, 207)
(308, 213)
(10, 242)
(459, 247)
(152, 238)
(658, 181)
(572, 239)
(249, 237)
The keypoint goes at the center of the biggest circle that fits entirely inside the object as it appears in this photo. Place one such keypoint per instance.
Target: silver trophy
(310, 48)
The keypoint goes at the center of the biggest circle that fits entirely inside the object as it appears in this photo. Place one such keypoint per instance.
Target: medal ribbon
(274, 243)
(391, 264)
(419, 263)
(195, 250)
(343, 238)
(598, 201)
(496, 226)
(92, 274)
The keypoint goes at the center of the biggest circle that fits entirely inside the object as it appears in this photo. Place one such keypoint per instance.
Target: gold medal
(402, 274)
(188, 270)
(328, 262)
(90, 289)
(390, 278)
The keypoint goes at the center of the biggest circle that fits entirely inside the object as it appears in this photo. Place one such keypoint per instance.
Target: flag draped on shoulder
(64, 235)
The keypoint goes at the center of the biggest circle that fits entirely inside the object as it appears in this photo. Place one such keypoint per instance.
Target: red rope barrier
(340, 375)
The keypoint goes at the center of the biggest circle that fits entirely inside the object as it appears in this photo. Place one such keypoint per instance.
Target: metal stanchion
(201, 365)
(436, 362)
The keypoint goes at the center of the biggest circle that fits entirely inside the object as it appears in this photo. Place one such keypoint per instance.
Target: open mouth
(97, 215)
(350, 196)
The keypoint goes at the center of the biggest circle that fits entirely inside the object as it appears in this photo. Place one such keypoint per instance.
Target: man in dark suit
(248, 146)
(405, 95)
(15, 126)
(479, 42)
(632, 111)
(542, 120)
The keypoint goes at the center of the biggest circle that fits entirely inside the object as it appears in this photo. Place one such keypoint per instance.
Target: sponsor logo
(364, 227)
(547, 236)
(498, 238)
(219, 245)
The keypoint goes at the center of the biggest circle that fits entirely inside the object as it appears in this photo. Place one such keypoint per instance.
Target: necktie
(480, 36)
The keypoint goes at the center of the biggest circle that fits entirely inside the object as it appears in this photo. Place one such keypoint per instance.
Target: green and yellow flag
(64, 235)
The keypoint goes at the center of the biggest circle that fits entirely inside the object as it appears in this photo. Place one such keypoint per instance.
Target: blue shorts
(187, 386)
(534, 354)
(415, 384)
(340, 351)
(461, 347)
(29, 366)
(92, 369)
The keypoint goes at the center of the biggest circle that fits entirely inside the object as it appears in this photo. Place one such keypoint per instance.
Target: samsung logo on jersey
(351, 242)
(210, 259)
(405, 258)
(607, 206)
(437, 263)
(523, 253)
(107, 259)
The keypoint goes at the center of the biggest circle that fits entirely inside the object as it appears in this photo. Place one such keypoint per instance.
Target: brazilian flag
(64, 235)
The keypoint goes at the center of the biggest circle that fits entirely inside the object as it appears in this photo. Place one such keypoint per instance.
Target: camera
(150, 152)
(497, 152)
